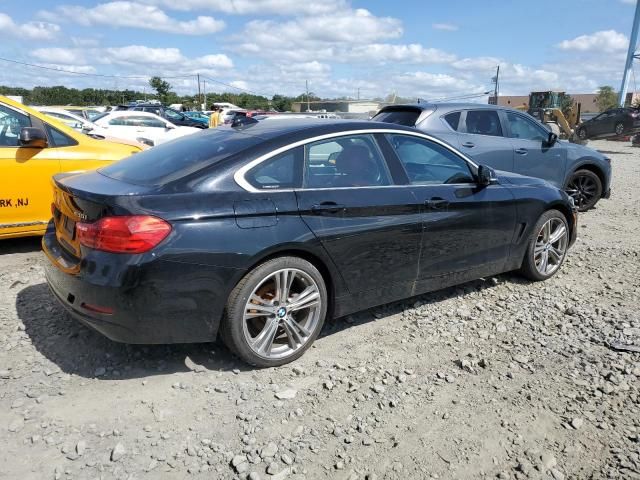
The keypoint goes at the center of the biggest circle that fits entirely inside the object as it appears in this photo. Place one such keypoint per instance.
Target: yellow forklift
(556, 111)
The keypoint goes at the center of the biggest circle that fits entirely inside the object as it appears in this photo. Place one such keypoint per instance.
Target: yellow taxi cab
(33, 148)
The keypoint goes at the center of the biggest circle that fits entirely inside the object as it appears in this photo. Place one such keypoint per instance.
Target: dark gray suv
(511, 140)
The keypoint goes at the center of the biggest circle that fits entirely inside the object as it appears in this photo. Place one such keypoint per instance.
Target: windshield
(174, 160)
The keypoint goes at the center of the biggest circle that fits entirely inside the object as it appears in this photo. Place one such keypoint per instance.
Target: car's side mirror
(169, 127)
(552, 139)
(32, 137)
(486, 175)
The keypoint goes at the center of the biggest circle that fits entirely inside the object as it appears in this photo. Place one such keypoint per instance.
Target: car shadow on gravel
(426, 299)
(79, 350)
(20, 245)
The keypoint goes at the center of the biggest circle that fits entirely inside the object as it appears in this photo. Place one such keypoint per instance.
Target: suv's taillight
(126, 234)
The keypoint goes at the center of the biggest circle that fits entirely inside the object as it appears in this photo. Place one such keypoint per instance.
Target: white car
(144, 127)
(76, 122)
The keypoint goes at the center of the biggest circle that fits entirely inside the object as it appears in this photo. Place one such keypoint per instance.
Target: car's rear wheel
(547, 246)
(585, 188)
(619, 128)
(275, 312)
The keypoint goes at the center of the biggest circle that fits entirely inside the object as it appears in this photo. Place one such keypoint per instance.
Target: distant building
(587, 101)
(338, 106)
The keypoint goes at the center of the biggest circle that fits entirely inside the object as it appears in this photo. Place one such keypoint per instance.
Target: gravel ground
(498, 378)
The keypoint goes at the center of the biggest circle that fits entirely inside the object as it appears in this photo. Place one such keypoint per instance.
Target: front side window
(281, 171)
(525, 129)
(11, 123)
(483, 122)
(59, 139)
(428, 163)
(352, 161)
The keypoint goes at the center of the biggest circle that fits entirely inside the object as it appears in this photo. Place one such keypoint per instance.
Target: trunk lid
(85, 197)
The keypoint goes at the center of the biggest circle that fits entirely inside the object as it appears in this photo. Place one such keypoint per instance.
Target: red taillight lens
(130, 234)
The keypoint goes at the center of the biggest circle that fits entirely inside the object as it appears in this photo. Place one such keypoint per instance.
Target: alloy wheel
(619, 129)
(582, 189)
(551, 246)
(282, 313)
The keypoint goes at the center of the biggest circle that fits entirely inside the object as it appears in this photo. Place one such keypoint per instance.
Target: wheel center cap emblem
(281, 312)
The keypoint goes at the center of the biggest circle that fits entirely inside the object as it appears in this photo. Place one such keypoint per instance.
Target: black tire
(528, 268)
(582, 133)
(232, 330)
(585, 187)
(619, 128)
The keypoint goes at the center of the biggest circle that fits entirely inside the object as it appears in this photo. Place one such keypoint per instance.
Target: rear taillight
(126, 234)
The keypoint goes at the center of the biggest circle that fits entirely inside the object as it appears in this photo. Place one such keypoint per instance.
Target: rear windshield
(177, 159)
(407, 118)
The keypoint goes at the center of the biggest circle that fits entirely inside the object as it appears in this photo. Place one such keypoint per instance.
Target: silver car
(510, 140)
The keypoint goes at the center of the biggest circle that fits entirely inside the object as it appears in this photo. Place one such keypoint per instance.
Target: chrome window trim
(239, 175)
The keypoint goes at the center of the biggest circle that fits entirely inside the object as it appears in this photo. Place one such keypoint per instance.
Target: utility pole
(496, 88)
(204, 91)
(306, 82)
(631, 54)
(199, 95)
(358, 93)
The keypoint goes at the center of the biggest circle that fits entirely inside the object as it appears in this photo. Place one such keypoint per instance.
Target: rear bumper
(152, 302)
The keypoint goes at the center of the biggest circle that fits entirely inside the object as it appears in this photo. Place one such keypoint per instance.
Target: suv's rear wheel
(585, 188)
(275, 312)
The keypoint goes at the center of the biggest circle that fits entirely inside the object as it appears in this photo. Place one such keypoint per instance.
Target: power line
(62, 70)
(233, 86)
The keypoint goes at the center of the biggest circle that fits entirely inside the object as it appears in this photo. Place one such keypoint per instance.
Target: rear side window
(407, 118)
(352, 161)
(281, 171)
(453, 119)
(174, 160)
(483, 122)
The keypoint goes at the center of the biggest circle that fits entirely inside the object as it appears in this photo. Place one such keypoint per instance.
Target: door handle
(521, 151)
(437, 203)
(328, 207)
(469, 144)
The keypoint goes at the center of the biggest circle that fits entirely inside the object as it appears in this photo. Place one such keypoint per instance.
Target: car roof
(444, 106)
(130, 113)
(311, 127)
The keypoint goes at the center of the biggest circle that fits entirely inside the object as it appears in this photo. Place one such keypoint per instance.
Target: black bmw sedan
(261, 232)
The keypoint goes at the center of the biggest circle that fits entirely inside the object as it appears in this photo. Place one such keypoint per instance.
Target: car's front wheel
(275, 312)
(547, 246)
(585, 188)
(582, 133)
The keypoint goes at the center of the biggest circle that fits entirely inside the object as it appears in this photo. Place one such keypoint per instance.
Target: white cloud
(29, 30)
(449, 27)
(241, 84)
(383, 53)
(476, 63)
(135, 15)
(628, 2)
(605, 41)
(56, 55)
(261, 7)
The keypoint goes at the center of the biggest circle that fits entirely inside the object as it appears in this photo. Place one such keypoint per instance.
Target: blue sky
(427, 48)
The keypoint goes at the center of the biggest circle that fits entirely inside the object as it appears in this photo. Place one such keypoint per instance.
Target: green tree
(281, 103)
(606, 98)
(162, 87)
(566, 104)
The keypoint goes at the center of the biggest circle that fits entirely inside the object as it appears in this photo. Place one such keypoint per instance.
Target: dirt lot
(497, 378)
